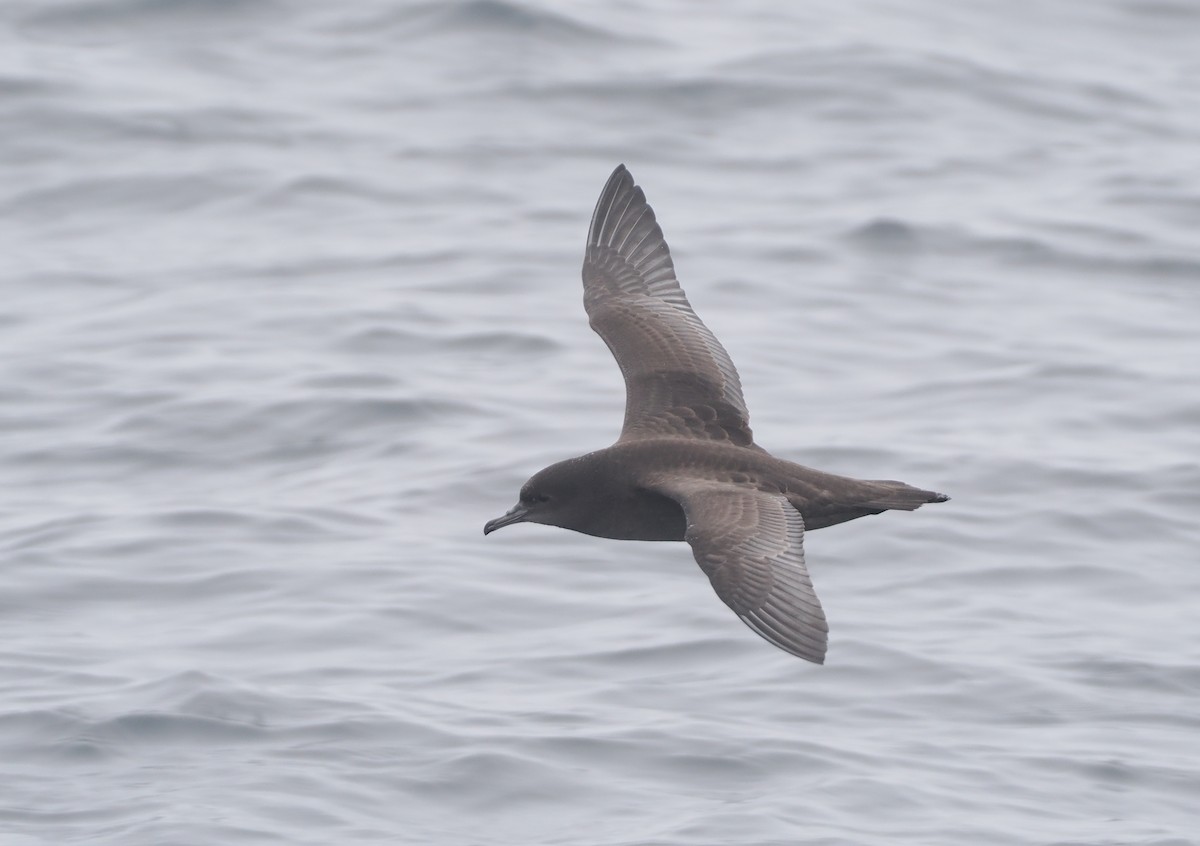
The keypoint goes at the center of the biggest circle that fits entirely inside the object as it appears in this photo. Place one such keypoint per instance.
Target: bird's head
(552, 496)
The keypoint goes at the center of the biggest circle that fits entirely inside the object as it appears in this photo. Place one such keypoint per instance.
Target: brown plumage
(686, 466)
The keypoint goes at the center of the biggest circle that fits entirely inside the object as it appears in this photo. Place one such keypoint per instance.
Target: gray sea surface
(291, 306)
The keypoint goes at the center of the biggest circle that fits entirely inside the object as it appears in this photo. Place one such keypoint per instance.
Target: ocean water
(291, 306)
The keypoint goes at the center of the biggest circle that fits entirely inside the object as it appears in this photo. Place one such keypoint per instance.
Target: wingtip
(619, 176)
(620, 193)
(813, 656)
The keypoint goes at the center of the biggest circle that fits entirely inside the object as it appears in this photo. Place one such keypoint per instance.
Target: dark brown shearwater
(686, 466)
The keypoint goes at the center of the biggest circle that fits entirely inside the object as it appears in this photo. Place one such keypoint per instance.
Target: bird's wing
(679, 381)
(750, 543)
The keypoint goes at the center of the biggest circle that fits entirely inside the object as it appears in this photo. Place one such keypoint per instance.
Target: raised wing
(679, 381)
(750, 543)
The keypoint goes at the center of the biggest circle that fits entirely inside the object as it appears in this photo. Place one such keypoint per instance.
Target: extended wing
(678, 378)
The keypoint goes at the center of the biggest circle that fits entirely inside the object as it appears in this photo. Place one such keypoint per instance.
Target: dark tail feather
(902, 497)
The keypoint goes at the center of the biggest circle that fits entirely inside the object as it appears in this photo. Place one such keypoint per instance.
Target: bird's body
(686, 467)
(618, 496)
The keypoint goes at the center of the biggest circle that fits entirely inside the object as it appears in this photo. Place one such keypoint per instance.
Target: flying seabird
(686, 467)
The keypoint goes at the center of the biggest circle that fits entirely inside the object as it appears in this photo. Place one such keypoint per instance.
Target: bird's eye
(535, 498)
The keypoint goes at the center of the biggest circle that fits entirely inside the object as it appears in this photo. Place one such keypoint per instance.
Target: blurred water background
(291, 306)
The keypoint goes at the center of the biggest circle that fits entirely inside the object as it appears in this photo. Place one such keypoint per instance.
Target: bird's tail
(901, 497)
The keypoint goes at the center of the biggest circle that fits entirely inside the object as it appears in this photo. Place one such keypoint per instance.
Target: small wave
(887, 79)
(16, 87)
(493, 18)
(142, 194)
(194, 125)
(676, 655)
(48, 531)
(491, 780)
(888, 234)
(696, 96)
(332, 414)
(1170, 12)
(885, 234)
(71, 736)
(211, 431)
(327, 267)
(97, 21)
(207, 521)
(324, 189)
(1106, 672)
(380, 340)
(119, 457)
(196, 708)
(159, 728)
